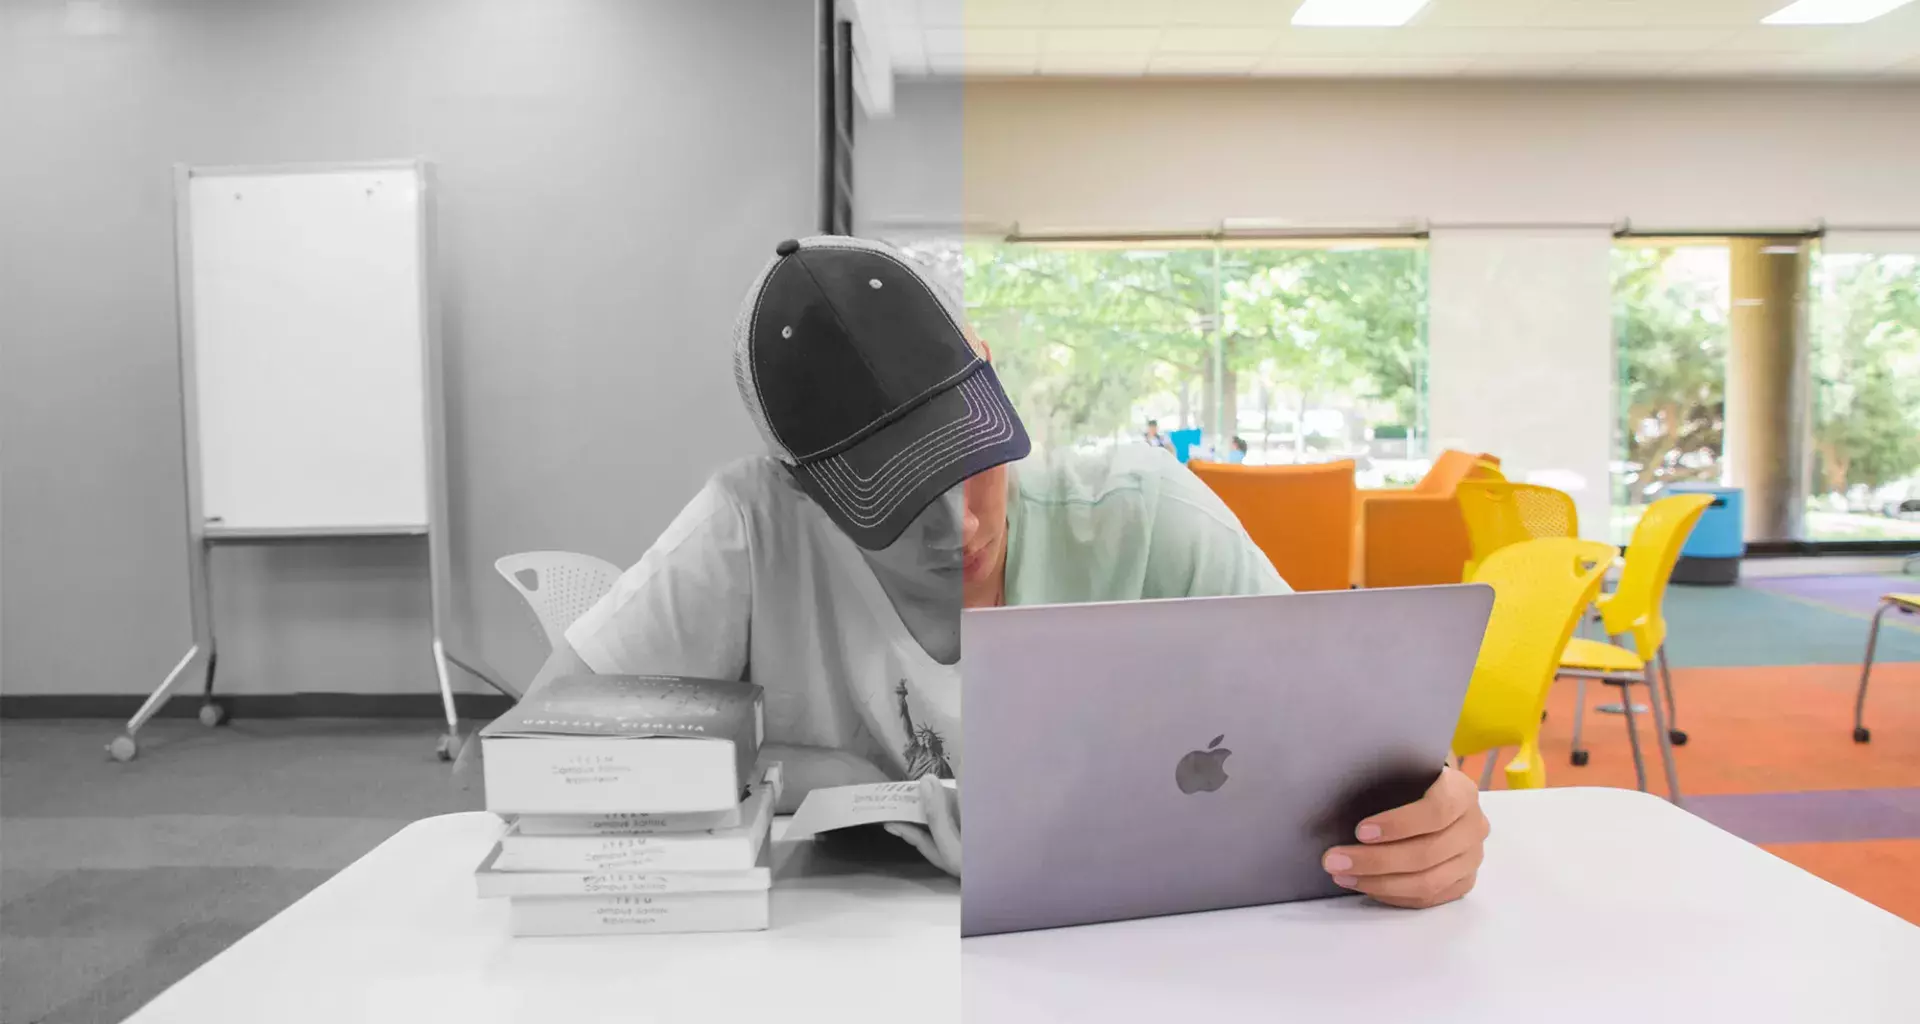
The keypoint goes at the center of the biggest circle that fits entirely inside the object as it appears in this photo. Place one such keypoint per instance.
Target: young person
(833, 572)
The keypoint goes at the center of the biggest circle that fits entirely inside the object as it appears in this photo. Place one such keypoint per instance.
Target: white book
(723, 849)
(625, 824)
(493, 884)
(641, 824)
(601, 744)
(631, 915)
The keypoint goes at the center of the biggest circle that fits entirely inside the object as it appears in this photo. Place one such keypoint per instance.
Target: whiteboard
(307, 349)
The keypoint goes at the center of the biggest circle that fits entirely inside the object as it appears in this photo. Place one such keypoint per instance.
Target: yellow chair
(1634, 609)
(1907, 604)
(1499, 513)
(1540, 590)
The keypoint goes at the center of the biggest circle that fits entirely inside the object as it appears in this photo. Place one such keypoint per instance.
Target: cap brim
(874, 489)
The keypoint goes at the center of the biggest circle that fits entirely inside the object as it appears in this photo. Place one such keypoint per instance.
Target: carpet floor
(118, 879)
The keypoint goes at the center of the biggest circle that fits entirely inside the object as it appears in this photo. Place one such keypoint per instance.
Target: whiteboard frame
(201, 537)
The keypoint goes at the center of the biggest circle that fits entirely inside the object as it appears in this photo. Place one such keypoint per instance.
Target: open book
(837, 807)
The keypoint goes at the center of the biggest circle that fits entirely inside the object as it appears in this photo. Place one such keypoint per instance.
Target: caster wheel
(1676, 737)
(212, 714)
(1860, 734)
(1579, 759)
(448, 748)
(123, 749)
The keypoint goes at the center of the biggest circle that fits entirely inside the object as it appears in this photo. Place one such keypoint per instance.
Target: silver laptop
(1161, 757)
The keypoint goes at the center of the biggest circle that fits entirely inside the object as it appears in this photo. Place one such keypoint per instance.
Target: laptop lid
(1162, 757)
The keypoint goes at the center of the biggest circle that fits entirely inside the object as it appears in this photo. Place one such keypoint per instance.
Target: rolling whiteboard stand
(310, 380)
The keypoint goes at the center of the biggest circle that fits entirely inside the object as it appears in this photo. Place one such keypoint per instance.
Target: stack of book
(632, 806)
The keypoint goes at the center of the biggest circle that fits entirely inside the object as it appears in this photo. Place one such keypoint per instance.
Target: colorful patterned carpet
(1764, 677)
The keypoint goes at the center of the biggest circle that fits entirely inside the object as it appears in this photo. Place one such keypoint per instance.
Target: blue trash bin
(1184, 442)
(1711, 556)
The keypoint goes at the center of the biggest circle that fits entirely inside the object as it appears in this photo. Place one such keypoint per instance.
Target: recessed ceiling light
(1356, 13)
(1831, 12)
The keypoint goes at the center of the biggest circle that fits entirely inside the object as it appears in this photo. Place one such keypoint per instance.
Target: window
(1865, 368)
(1670, 319)
(1304, 351)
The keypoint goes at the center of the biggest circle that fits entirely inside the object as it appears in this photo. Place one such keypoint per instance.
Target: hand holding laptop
(1420, 855)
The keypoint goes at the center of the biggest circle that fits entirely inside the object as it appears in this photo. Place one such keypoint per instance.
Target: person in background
(1154, 438)
(1238, 453)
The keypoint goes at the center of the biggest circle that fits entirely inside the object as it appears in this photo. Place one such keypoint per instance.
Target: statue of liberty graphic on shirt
(925, 752)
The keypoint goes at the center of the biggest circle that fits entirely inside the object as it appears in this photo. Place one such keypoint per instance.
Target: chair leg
(1579, 756)
(1678, 737)
(1633, 737)
(1486, 774)
(1860, 733)
(1662, 735)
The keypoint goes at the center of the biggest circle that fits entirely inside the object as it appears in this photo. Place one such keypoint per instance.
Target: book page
(848, 806)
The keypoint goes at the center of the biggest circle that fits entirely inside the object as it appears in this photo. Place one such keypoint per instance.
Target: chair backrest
(1499, 513)
(1634, 609)
(558, 586)
(1540, 589)
(1301, 517)
(1452, 466)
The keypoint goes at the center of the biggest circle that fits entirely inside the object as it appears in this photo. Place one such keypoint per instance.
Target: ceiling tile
(1479, 37)
(1100, 40)
(1785, 38)
(1539, 13)
(1001, 63)
(1216, 13)
(1202, 64)
(1520, 65)
(1627, 65)
(1240, 39)
(1344, 41)
(1306, 65)
(1109, 13)
(938, 12)
(1522, 42)
(982, 40)
(1005, 13)
(1116, 63)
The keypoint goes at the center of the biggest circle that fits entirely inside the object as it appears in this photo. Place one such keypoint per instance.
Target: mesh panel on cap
(743, 375)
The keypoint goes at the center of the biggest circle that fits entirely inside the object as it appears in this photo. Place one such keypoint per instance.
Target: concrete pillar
(1766, 347)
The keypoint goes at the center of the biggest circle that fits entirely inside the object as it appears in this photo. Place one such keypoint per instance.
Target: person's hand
(1420, 855)
(939, 839)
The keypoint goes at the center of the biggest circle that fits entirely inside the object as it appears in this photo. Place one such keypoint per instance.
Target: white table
(1594, 905)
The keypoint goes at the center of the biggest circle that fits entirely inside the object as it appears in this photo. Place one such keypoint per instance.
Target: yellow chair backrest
(1499, 513)
(1540, 589)
(1633, 609)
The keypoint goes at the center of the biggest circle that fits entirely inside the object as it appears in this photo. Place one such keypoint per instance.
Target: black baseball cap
(854, 364)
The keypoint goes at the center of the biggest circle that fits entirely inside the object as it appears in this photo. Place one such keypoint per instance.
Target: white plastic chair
(558, 586)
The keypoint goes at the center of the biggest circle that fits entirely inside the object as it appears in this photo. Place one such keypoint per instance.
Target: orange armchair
(1301, 517)
(1410, 538)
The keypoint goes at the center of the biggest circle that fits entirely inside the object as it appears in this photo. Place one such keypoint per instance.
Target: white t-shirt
(753, 581)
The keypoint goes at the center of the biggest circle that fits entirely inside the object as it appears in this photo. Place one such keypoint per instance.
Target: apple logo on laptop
(1203, 771)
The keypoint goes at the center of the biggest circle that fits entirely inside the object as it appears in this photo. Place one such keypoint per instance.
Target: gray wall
(612, 174)
(907, 166)
(1181, 154)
